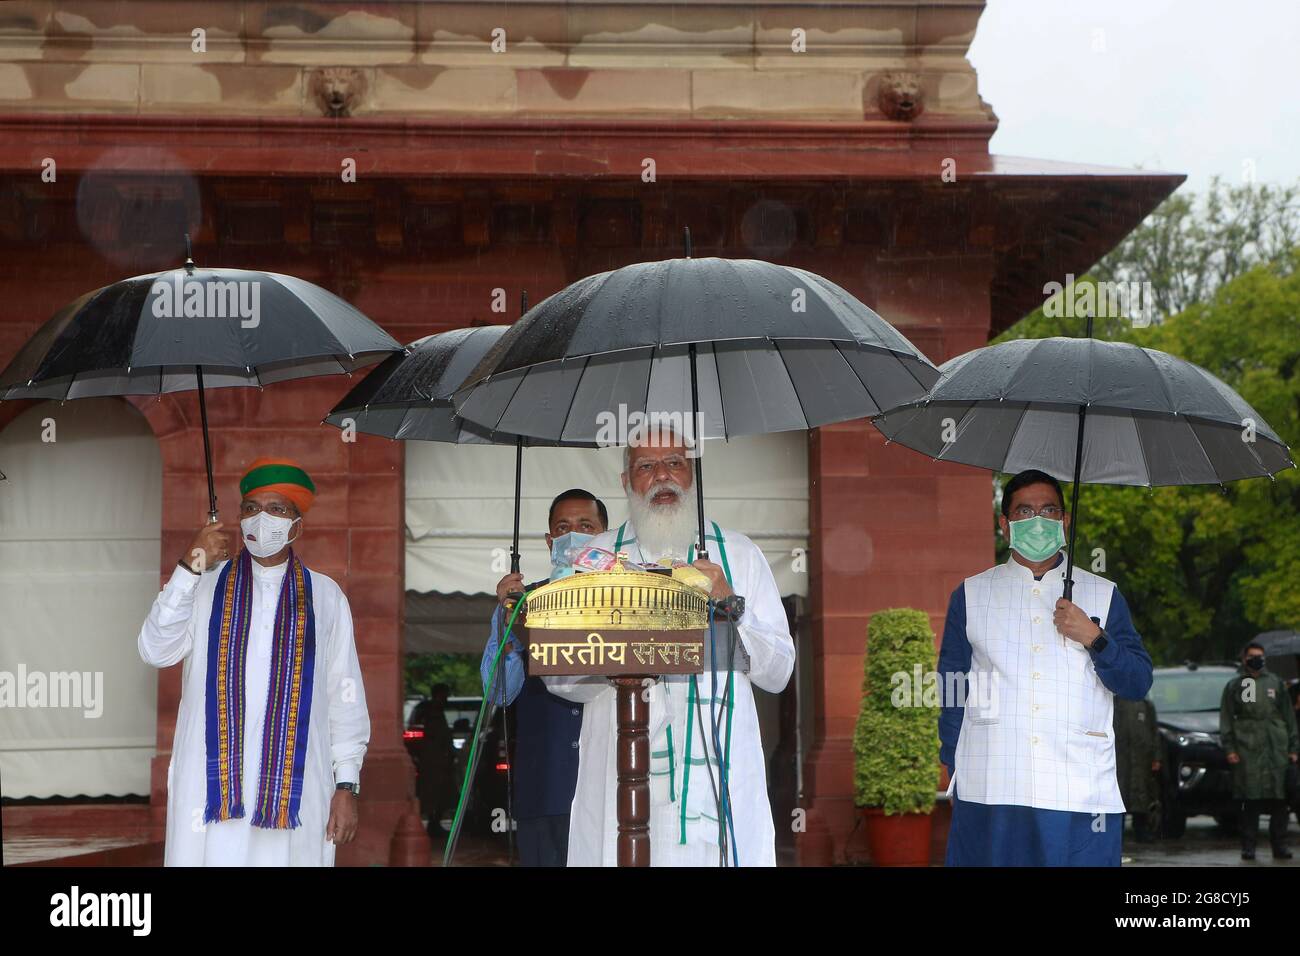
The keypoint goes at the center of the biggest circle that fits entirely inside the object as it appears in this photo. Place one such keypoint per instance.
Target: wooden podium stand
(629, 626)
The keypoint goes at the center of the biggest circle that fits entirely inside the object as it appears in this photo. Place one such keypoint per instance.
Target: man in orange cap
(273, 725)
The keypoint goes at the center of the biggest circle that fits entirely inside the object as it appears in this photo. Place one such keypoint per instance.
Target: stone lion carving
(337, 90)
(900, 96)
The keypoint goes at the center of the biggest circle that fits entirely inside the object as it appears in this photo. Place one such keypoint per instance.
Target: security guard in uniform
(1137, 761)
(1258, 728)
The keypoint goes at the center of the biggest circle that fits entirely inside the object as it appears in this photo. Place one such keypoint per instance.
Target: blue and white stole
(288, 702)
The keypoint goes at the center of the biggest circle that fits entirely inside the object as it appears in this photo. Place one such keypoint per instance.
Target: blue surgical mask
(564, 550)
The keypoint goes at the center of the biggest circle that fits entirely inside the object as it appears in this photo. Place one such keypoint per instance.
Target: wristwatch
(730, 608)
(1099, 643)
(352, 788)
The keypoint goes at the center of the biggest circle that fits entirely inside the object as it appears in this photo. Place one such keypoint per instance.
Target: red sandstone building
(848, 139)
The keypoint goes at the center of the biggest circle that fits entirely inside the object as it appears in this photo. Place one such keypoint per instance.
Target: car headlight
(1194, 737)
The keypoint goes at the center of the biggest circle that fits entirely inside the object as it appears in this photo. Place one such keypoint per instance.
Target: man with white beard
(692, 718)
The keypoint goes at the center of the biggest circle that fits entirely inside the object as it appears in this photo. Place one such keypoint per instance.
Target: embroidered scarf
(703, 801)
(288, 699)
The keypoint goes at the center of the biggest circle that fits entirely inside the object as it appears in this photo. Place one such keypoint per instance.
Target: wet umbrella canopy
(126, 338)
(717, 348)
(1279, 643)
(1088, 411)
(408, 395)
(408, 398)
(193, 328)
(779, 348)
(1152, 418)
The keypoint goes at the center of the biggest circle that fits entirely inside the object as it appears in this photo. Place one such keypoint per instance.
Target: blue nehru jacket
(546, 730)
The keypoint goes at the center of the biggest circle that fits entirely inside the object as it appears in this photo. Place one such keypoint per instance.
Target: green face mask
(1037, 538)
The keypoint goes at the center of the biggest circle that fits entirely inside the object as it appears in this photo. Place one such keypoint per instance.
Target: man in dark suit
(546, 742)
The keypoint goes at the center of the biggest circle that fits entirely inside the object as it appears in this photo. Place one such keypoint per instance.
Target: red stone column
(376, 588)
(890, 528)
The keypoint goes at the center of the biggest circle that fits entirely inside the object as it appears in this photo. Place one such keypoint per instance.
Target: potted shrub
(896, 741)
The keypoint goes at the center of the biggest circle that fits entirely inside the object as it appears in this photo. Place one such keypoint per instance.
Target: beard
(662, 530)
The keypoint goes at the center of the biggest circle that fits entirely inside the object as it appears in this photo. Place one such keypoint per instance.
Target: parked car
(461, 714)
(1195, 778)
(413, 731)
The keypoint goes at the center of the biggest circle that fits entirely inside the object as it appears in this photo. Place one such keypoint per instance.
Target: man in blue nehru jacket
(1028, 739)
(547, 727)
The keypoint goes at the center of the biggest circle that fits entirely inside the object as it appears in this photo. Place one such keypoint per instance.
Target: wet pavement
(1205, 844)
(39, 848)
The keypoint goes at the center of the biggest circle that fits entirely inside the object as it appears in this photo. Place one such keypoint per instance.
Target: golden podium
(629, 626)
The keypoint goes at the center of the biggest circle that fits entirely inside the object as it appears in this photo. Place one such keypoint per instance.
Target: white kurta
(765, 634)
(337, 734)
(1040, 736)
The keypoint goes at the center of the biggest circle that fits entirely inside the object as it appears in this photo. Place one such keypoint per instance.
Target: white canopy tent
(459, 507)
(80, 526)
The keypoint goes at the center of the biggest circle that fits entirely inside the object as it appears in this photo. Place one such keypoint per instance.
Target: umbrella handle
(1074, 493)
(701, 550)
(1074, 505)
(207, 446)
(519, 471)
(519, 468)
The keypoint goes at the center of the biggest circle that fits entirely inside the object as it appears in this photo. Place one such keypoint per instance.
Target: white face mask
(269, 533)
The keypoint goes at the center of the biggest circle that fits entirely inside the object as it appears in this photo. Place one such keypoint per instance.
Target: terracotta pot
(901, 839)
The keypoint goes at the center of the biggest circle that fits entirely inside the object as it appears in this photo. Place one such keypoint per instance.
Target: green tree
(1192, 246)
(458, 671)
(1184, 252)
(1248, 334)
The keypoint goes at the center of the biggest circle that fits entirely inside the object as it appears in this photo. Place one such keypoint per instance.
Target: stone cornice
(698, 59)
(473, 148)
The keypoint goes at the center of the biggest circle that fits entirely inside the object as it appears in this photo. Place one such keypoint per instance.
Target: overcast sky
(1192, 86)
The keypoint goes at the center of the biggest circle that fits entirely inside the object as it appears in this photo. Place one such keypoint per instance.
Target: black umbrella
(1151, 418)
(408, 397)
(1279, 643)
(743, 347)
(193, 328)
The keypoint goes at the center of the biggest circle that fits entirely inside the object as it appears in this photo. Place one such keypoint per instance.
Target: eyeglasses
(249, 508)
(645, 467)
(1054, 512)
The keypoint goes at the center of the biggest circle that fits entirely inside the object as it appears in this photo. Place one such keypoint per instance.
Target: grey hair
(661, 432)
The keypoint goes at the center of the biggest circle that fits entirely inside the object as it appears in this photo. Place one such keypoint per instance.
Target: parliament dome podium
(630, 626)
